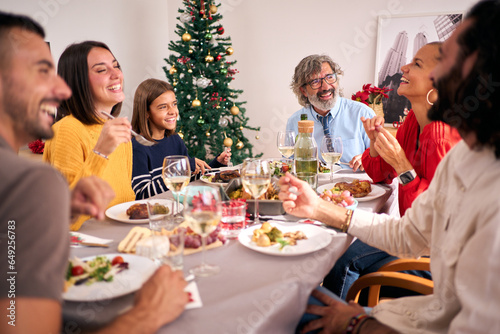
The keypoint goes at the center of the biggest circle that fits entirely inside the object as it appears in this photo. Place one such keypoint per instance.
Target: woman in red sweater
(412, 157)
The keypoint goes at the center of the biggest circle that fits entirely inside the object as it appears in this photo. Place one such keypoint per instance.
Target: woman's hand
(200, 165)
(301, 205)
(371, 125)
(114, 132)
(390, 150)
(334, 315)
(356, 163)
(224, 157)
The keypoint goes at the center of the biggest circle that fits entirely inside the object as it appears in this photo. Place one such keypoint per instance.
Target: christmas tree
(211, 118)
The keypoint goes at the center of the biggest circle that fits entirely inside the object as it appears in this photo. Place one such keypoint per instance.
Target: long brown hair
(73, 68)
(145, 94)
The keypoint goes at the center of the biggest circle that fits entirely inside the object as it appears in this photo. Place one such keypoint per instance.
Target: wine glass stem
(203, 244)
(331, 172)
(256, 213)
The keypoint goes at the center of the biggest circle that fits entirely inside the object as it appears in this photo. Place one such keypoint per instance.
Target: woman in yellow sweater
(85, 142)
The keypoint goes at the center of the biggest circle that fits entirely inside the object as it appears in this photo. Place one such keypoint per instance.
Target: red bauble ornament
(220, 30)
(202, 12)
(218, 57)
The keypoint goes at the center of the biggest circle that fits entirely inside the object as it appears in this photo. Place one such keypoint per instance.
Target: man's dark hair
(474, 105)
(9, 21)
(73, 68)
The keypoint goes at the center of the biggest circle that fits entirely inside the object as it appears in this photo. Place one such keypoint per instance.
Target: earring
(429, 93)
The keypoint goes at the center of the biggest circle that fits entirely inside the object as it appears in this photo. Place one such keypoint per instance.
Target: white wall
(269, 39)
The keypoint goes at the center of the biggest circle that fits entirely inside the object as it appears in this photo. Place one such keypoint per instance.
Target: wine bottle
(306, 154)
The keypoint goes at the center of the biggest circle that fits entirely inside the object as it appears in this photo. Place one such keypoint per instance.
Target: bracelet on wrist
(345, 226)
(355, 321)
(100, 154)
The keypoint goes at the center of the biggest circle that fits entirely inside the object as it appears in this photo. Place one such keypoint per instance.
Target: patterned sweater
(148, 162)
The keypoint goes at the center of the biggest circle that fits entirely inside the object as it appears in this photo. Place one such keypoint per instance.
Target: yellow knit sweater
(70, 151)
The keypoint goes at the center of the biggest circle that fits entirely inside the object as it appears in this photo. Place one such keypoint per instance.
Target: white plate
(206, 178)
(119, 211)
(317, 238)
(376, 192)
(129, 280)
(326, 176)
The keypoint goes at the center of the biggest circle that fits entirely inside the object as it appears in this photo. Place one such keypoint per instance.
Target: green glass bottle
(306, 154)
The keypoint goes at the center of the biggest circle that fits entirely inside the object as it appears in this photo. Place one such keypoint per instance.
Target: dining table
(254, 292)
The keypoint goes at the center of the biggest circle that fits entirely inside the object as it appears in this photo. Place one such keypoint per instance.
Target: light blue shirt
(345, 123)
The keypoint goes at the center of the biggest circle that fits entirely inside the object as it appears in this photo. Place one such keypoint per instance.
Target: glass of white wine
(176, 173)
(203, 212)
(286, 143)
(331, 151)
(256, 178)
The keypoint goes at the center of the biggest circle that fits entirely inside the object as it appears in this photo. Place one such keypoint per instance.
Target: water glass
(233, 218)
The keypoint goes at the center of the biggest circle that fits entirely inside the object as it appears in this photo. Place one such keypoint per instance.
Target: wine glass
(176, 173)
(203, 211)
(286, 143)
(256, 178)
(331, 151)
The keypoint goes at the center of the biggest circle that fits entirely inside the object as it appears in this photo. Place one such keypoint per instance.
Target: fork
(140, 139)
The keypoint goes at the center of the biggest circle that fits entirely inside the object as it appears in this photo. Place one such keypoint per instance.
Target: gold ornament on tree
(172, 70)
(228, 142)
(239, 145)
(196, 103)
(186, 37)
(213, 9)
(229, 51)
(180, 134)
(209, 58)
(207, 133)
(234, 110)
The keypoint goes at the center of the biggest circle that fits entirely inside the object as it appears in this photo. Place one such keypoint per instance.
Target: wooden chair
(388, 275)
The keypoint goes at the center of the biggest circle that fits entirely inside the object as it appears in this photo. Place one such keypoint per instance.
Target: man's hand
(163, 296)
(91, 196)
(302, 202)
(356, 163)
(334, 316)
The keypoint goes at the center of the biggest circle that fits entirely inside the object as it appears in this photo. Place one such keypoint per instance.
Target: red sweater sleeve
(376, 168)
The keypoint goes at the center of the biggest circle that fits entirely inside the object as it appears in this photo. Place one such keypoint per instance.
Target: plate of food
(284, 239)
(136, 212)
(361, 190)
(106, 276)
(279, 167)
(222, 177)
(324, 172)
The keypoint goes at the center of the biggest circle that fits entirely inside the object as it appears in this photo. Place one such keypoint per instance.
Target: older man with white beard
(316, 85)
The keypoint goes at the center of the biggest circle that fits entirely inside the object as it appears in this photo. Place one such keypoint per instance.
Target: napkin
(194, 296)
(80, 237)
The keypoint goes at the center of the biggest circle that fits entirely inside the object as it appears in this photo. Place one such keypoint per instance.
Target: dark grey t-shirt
(34, 224)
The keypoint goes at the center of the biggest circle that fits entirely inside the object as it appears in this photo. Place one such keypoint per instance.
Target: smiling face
(31, 90)
(416, 82)
(163, 114)
(105, 78)
(323, 98)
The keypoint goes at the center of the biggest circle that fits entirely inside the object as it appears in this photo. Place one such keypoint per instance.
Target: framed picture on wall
(399, 38)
